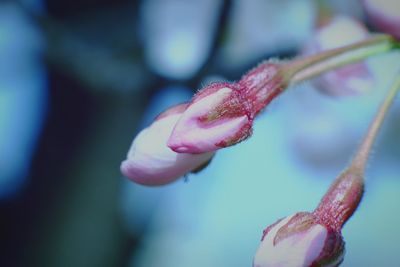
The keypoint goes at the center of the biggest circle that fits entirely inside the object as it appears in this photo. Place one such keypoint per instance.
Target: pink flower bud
(348, 80)
(151, 162)
(314, 239)
(222, 114)
(384, 15)
(299, 240)
(216, 118)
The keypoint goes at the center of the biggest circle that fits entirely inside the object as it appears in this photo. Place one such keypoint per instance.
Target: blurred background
(79, 79)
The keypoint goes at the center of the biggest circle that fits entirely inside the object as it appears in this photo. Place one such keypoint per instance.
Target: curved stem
(360, 159)
(313, 65)
(345, 193)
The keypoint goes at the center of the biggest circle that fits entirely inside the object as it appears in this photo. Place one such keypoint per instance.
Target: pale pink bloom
(352, 79)
(151, 162)
(299, 241)
(203, 127)
(384, 15)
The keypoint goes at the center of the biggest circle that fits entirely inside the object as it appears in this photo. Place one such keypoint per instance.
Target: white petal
(294, 251)
(151, 162)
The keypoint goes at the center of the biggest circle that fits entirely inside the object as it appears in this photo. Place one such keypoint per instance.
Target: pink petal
(192, 135)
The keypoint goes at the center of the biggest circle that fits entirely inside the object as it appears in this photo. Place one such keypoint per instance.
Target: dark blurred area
(78, 79)
(90, 86)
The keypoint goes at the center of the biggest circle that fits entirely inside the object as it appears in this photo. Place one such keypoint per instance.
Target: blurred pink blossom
(352, 79)
(384, 15)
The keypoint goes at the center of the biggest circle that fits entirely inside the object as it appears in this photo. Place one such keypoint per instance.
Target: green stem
(308, 67)
(360, 159)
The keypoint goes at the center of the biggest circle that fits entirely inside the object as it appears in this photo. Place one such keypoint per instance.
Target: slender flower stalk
(222, 114)
(364, 150)
(345, 194)
(314, 238)
(338, 57)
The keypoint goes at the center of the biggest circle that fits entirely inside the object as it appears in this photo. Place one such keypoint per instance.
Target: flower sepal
(300, 240)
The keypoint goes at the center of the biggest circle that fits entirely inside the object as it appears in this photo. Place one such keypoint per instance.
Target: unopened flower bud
(384, 15)
(216, 117)
(222, 114)
(151, 162)
(299, 240)
(314, 239)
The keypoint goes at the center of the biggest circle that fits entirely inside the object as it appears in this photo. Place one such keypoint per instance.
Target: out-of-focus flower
(222, 114)
(176, 36)
(384, 15)
(348, 80)
(151, 162)
(23, 95)
(244, 43)
(299, 240)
